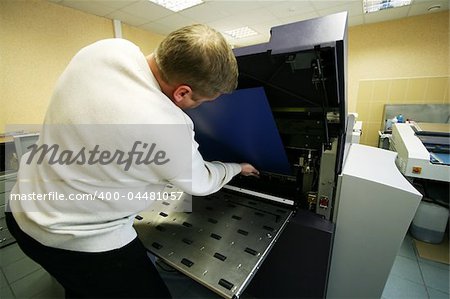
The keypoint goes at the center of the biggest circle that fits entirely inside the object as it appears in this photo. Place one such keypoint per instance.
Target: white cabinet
(375, 208)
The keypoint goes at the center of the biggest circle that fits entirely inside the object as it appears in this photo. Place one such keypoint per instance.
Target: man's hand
(249, 170)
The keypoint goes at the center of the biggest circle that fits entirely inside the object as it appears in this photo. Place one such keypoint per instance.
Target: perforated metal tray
(221, 244)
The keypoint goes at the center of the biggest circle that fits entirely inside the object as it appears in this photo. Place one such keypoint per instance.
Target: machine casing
(413, 157)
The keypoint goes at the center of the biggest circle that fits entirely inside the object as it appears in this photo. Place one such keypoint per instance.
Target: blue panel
(240, 127)
(440, 158)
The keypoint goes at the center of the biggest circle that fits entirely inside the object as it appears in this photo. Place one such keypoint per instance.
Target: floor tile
(407, 248)
(55, 291)
(10, 254)
(400, 288)
(33, 284)
(435, 294)
(6, 293)
(3, 281)
(407, 268)
(434, 264)
(435, 277)
(19, 269)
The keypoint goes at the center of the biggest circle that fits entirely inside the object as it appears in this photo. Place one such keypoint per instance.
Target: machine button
(242, 232)
(156, 245)
(187, 262)
(251, 251)
(417, 170)
(324, 202)
(226, 284)
(215, 236)
(220, 256)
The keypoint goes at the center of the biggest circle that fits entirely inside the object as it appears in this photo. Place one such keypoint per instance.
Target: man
(110, 97)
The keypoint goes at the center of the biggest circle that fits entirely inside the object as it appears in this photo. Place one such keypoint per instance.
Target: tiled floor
(415, 277)
(20, 277)
(411, 277)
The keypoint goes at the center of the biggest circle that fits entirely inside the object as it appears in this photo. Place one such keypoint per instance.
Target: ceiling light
(377, 5)
(241, 32)
(177, 5)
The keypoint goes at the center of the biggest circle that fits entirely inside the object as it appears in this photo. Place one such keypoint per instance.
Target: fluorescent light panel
(241, 32)
(177, 5)
(377, 5)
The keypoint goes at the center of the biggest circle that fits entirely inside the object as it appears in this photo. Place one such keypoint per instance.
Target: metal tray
(220, 244)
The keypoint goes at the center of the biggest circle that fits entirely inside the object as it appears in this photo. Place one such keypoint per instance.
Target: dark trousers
(126, 272)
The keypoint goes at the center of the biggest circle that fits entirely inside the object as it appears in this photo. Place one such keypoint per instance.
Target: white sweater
(108, 82)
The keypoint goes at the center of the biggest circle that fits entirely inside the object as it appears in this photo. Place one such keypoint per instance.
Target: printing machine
(309, 227)
(423, 150)
(424, 157)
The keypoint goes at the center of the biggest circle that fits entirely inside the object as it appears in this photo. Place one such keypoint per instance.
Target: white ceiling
(259, 15)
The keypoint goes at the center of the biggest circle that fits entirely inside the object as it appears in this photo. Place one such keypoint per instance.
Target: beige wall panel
(406, 48)
(37, 41)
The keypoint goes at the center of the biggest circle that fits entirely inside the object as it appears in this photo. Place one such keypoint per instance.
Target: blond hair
(200, 57)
